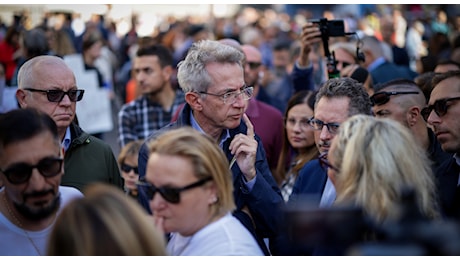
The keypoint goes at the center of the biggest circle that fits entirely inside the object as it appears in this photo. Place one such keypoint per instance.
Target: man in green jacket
(48, 84)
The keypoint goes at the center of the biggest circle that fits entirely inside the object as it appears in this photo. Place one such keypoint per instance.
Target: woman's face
(299, 132)
(131, 176)
(193, 211)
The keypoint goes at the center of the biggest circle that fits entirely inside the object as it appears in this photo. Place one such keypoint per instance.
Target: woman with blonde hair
(105, 222)
(373, 161)
(195, 202)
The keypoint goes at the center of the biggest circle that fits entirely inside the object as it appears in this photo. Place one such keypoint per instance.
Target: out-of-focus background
(123, 26)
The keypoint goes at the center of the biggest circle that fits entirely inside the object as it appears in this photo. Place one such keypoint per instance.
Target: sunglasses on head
(127, 168)
(20, 172)
(440, 108)
(57, 95)
(381, 98)
(171, 195)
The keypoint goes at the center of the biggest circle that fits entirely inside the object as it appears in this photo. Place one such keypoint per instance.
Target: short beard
(41, 213)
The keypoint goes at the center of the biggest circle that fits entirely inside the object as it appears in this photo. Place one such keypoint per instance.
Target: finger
(250, 131)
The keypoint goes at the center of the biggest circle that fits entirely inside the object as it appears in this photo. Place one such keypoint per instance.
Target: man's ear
(194, 100)
(413, 115)
(21, 97)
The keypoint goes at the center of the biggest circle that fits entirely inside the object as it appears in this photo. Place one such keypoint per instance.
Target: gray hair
(26, 72)
(192, 74)
(360, 102)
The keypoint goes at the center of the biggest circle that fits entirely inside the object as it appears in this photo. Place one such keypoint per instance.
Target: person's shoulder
(68, 192)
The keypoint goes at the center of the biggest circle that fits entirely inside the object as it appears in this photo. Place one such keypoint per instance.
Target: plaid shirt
(141, 117)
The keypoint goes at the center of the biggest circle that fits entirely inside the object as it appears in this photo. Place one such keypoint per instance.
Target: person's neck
(165, 97)
(212, 131)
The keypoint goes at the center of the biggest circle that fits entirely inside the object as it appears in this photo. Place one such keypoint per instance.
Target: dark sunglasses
(127, 168)
(324, 162)
(440, 108)
(56, 95)
(171, 195)
(254, 65)
(20, 172)
(381, 98)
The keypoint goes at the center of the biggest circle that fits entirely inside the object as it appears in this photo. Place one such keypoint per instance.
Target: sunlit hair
(130, 149)
(302, 97)
(377, 160)
(360, 102)
(207, 159)
(105, 222)
(192, 74)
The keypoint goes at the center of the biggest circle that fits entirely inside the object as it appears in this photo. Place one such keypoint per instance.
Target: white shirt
(224, 237)
(14, 241)
(328, 197)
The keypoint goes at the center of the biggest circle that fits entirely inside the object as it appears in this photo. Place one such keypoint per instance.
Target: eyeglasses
(318, 125)
(381, 98)
(171, 195)
(253, 65)
(324, 162)
(303, 123)
(231, 97)
(21, 172)
(56, 95)
(440, 107)
(127, 168)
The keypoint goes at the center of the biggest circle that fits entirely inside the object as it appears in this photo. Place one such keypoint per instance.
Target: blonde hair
(130, 149)
(105, 222)
(207, 159)
(377, 159)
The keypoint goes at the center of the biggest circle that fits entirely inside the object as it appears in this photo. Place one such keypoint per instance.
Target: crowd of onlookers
(258, 134)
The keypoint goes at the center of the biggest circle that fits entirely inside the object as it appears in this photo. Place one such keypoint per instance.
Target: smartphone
(331, 28)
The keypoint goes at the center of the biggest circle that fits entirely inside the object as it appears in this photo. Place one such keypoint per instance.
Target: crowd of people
(245, 134)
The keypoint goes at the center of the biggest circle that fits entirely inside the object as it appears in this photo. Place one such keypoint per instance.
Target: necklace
(20, 225)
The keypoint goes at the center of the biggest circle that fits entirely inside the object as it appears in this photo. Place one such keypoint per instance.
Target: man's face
(447, 126)
(38, 197)
(51, 77)
(228, 78)
(329, 110)
(252, 66)
(149, 75)
(393, 109)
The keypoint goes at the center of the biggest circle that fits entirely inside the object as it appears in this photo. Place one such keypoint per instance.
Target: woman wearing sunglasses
(189, 186)
(127, 159)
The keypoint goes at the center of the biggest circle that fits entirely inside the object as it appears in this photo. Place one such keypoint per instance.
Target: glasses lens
(426, 113)
(50, 167)
(379, 99)
(19, 173)
(247, 92)
(79, 94)
(317, 124)
(128, 168)
(440, 107)
(169, 194)
(55, 95)
(72, 95)
(253, 65)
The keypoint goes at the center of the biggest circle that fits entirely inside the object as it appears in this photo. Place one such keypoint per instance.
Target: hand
(244, 147)
(158, 222)
(310, 35)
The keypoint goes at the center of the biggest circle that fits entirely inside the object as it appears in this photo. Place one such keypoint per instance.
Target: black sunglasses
(20, 172)
(381, 98)
(253, 65)
(324, 162)
(56, 95)
(440, 108)
(127, 168)
(171, 195)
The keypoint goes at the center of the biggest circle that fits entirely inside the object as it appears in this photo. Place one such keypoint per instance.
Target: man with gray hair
(212, 78)
(48, 84)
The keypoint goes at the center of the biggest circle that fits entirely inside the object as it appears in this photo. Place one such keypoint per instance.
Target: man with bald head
(267, 119)
(48, 84)
(402, 100)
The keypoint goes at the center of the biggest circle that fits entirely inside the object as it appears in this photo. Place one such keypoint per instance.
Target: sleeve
(302, 78)
(126, 123)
